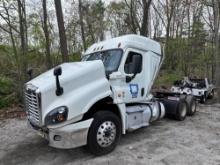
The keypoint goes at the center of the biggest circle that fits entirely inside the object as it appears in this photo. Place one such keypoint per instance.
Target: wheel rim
(106, 134)
(184, 111)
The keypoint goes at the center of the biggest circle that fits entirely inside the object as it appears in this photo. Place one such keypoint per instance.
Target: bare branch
(159, 14)
(4, 29)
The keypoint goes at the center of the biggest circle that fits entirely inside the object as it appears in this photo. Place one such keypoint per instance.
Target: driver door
(133, 84)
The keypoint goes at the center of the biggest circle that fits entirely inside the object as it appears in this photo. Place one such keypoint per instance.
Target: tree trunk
(145, 22)
(60, 22)
(82, 25)
(23, 37)
(216, 12)
(46, 34)
(24, 46)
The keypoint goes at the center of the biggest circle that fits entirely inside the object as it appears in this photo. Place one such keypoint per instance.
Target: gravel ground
(193, 141)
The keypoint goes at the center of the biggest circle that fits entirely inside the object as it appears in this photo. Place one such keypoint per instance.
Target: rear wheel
(191, 104)
(104, 133)
(181, 111)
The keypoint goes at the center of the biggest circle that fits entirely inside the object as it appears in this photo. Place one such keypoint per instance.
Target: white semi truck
(94, 101)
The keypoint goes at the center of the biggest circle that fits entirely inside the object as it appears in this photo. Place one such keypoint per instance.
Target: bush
(166, 78)
(7, 95)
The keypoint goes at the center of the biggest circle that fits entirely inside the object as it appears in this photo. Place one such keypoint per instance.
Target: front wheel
(104, 133)
(203, 98)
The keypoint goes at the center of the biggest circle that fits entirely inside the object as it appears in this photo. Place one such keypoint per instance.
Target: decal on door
(134, 90)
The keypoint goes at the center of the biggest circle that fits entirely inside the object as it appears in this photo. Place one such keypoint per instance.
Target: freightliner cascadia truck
(108, 93)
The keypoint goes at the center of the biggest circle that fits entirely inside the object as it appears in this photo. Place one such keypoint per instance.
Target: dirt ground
(195, 141)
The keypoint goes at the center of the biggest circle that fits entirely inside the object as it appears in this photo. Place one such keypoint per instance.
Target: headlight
(57, 115)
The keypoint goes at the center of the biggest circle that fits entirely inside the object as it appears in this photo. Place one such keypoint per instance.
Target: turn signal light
(60, 117)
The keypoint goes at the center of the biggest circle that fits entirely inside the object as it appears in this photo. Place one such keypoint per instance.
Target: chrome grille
(32, 104)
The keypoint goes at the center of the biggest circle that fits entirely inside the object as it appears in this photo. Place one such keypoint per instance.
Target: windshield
(110, 58)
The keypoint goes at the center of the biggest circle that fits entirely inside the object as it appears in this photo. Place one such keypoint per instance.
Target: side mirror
(57, 72)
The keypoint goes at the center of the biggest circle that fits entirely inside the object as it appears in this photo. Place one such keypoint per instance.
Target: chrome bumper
(69, 136)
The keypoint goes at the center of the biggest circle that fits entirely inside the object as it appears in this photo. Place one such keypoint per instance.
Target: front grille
(32, 104)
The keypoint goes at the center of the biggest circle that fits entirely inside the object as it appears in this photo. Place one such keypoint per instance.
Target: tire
(104, 133)
(191, 105)
(182, 96)
(181, 111)
(203, 98)
(211, 95)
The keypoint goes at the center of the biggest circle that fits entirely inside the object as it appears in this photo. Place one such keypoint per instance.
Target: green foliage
(36, 31)
(117, 20)
(7, 95)
(7, 60)
(197, 40)
(94, 12)
(166, 78)
(189, 55)
(75, 57)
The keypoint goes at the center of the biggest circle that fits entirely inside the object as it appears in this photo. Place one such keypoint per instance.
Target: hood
(70, 72)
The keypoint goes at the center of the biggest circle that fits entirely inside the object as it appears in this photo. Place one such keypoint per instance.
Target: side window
(130, 63)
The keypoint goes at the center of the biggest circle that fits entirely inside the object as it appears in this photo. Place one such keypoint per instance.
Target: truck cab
(94, 101)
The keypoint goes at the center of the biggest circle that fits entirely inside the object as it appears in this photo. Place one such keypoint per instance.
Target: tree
(214, 25)
(117, 15)
(46, 34)
(216, 12)
(11, 28)
(145, 21)
(82, 25)
(23, 36)
(60, 22)
(139, 16)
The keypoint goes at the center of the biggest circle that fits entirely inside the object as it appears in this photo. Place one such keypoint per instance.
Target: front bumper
(198, 92)
(69, 136)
